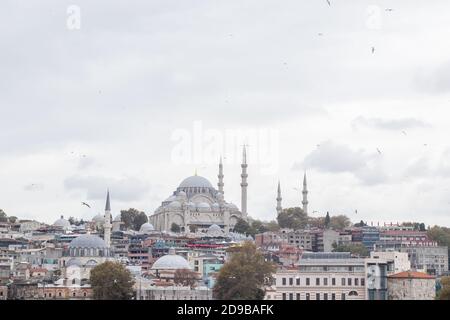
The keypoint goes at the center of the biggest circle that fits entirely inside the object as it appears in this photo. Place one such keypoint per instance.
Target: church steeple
(279, 198)
(220, 176)
(305, 195)
(244, 183)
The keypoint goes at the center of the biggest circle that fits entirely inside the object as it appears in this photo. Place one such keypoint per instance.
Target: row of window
(317, 296)
(60, 294)
(324, 282)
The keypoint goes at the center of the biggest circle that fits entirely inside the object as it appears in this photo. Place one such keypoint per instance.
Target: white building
(400, 260)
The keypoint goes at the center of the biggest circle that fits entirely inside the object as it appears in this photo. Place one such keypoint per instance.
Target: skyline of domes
(195, 182)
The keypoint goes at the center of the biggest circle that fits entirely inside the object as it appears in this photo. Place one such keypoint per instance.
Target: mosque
(197, 205)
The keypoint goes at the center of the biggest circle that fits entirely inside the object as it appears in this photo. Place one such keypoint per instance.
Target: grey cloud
(124, 189)
(389, 124)
(338, 158)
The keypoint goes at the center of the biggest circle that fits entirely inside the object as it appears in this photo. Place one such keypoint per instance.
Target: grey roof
(195, 181)
(88, 241)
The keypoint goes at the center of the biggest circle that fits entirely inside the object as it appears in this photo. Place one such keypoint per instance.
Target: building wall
(411, 289)
(3, 292)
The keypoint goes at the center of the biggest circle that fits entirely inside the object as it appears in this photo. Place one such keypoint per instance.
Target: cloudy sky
(136, 95)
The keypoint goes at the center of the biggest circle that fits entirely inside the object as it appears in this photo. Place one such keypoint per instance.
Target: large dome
(171, 261)
(88, 241)
(195, 182)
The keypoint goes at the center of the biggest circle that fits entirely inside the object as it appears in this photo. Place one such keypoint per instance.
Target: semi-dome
(171, 261)
(98, 219)
(175, 204)
(171, 198)
(195, 182)
(61, 222)
(87, 241)
(146, 227)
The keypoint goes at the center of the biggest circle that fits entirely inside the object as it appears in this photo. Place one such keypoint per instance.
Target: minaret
(244, 184)
(107, 226)
(305, 195)
(279, 198)
(220, 176)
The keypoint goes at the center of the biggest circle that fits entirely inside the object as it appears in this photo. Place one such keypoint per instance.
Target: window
(297, 281)
(349, 280)
(59, 294)
(84, 294)
(317, 281)
(363, 282)
(325, 296)
(291, 281)
(74, 294)
(333, 296)
(284, 281)
(317, 296)
(325, 281)
(298, 296)
(284, 296)
(291, 296)
(343, 281)
(333, 281)
(356, 282)
(307, 281)
(307, 296)
(50, 295)
(343, 296)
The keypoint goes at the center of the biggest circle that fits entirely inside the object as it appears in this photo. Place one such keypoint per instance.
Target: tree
(294, 218)
(327, 220)
(340, 222)
(272, 226)
(111, 281)
(316, 222)
(244, 275)
(175, 227)
(12, 219)
(360, 224)
(241, 226)
(444, 292)
(185, 277)
(193, 228)
(357, 249)
(139, 220)
(133, 218)
(3, 216)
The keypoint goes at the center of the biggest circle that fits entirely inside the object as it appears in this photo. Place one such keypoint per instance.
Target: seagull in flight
(85, 204)
(329, 2)
(404, 132)
(379, 151)
(373, 50)
(389, 9)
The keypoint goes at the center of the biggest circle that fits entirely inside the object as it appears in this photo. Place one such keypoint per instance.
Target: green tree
(340, 222)
(12, 219)
(272, 226)
(193, 228)
(357, 249)
(294, 218)
(444, 292)
(111, 281)
(327, 220)
(139, 220)
(241, 226)
(3, 216)
(360, 224)
(244, 275)
(175, 227)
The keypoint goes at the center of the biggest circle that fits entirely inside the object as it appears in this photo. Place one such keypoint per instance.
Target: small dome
(171, 261)
(195, 182)
(232, 206)
(171, 198)
(191, 205)
(61, 222)
(214, 227)
(118, 218)
(146, 227)
(98, 219)
(215, 206)
(87, 241)
(175, 204)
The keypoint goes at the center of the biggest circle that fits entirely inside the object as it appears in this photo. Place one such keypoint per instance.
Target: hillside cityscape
(197, 246)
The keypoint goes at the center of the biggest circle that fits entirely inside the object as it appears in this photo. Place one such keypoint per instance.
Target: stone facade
(411, 285)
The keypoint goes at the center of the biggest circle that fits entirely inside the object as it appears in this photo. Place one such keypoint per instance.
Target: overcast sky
(356, 95)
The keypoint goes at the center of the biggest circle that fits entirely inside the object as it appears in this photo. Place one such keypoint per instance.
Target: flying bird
(329, 2)
(389, 9)
(85, 204)
(320, 34)
(373, 50)
(379, 151)
(404, 132)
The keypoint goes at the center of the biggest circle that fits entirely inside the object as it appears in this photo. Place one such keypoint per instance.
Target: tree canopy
(111, 281)
(294, 218)
(357, 249)
(444, 292)
(244, 275)
(3, 216)
(175, 227)
(133, 218)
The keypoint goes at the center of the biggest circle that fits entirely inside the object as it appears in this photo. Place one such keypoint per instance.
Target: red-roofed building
(411, 285)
